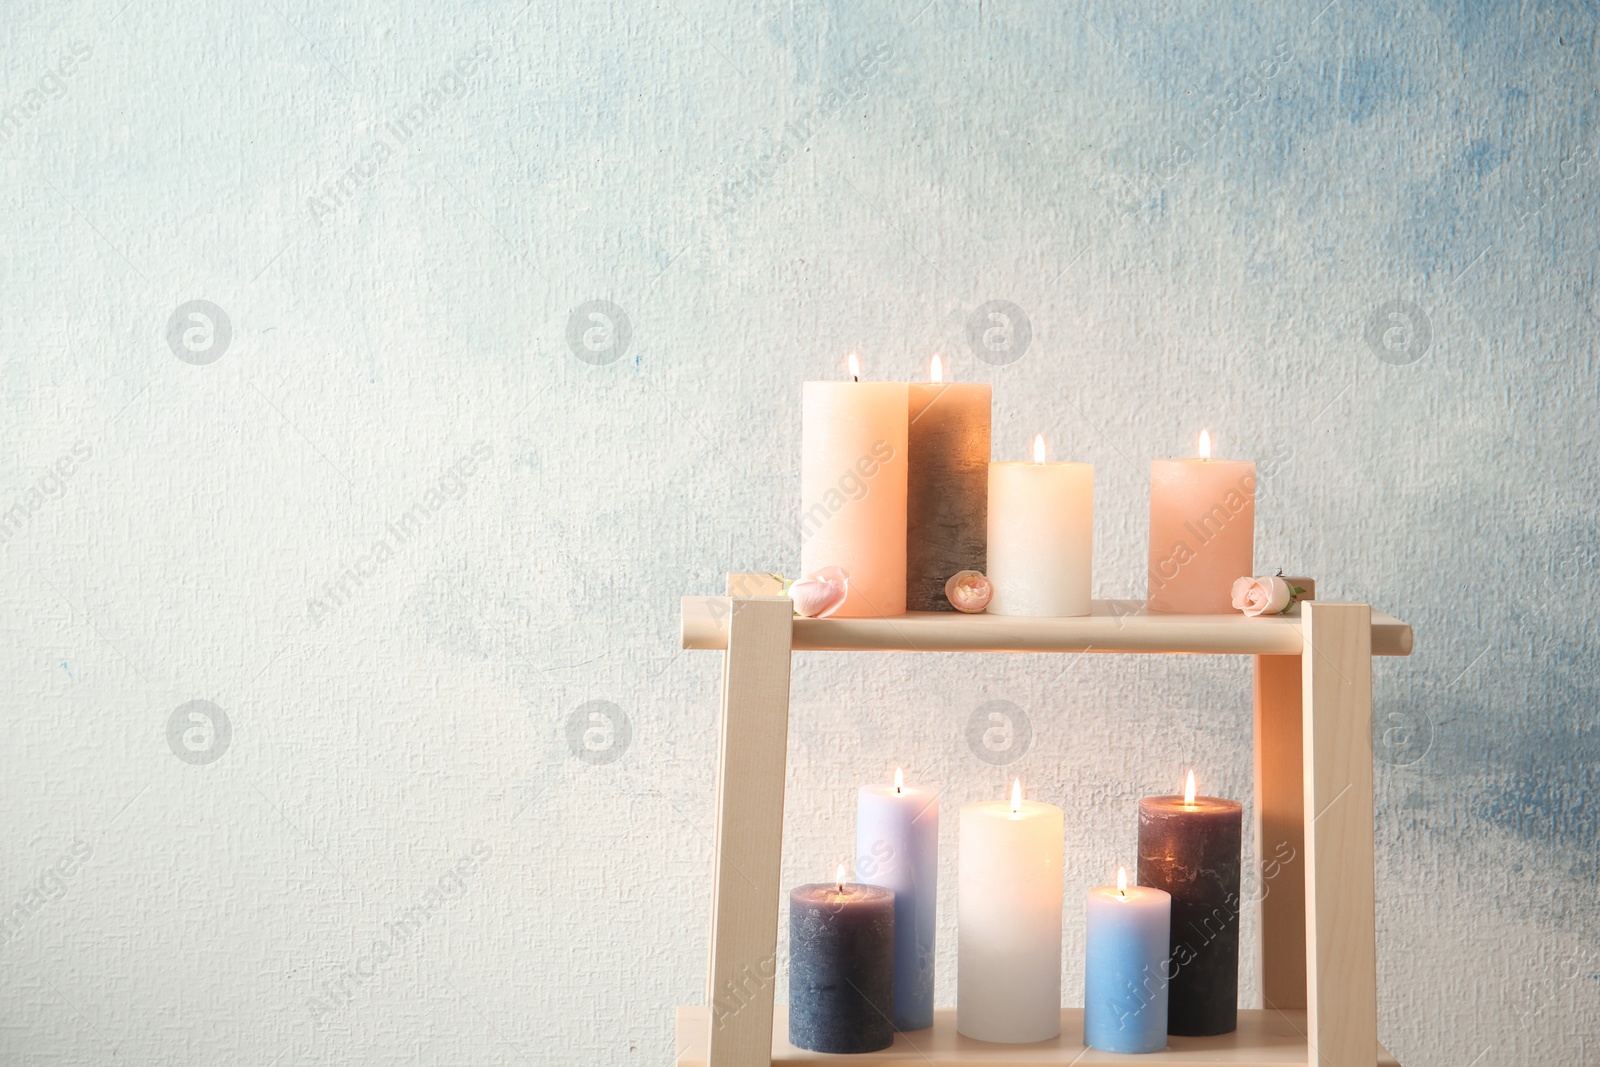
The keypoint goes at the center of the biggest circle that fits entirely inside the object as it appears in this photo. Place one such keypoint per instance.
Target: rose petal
(820, 594)
(1240, 587)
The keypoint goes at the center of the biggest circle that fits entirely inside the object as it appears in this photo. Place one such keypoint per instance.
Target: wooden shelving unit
(1264, 1039)
(1312, 698)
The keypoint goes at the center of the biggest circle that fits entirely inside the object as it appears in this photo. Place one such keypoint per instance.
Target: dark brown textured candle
(947, 488)
(1191, 849)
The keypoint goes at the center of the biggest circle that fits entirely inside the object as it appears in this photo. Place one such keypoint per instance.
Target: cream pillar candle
(1008, 923)
(947, 486)
(853, 489)
(1202, 531)
(1041, 536)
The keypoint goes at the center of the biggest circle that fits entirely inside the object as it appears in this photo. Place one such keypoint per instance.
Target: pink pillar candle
(853, 490)
(1202, 532)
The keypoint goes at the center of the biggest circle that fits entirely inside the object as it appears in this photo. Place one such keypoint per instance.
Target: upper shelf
(1110, 626)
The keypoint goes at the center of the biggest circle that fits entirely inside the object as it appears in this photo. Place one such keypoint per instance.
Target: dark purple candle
(1189, 846)
(841, 967)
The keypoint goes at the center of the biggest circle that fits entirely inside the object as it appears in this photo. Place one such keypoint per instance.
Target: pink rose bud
(820, 594)
(968, 591)
(1262, 596)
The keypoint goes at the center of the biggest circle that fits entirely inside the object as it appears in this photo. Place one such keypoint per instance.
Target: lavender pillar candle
(1189, 846)
(897, 847)
(947, 487)
(841, 967)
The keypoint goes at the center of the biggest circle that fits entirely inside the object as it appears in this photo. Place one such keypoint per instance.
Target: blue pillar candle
(897, 847)
(841, 967)
(1125, 977)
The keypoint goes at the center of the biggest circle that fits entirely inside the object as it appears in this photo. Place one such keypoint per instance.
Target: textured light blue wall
(401, 516)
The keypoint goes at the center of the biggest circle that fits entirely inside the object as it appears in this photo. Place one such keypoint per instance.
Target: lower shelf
(1264, 1039)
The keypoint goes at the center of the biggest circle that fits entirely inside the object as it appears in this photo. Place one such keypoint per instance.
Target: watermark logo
(50, 86)
(999, 732)
(999, 332)
(795, 136)
(876, 860)
(397, 133)
(1237, 502)
(339, 990)
(741, 990)
(598, 732)
(1404, 738)
(1552, 182)
(598, 332)
(49, 486)
(851, 485)
(451, 485)
(1400, 332)
(1141, 194)
(198, 332)
(49, 886)
(199, 732)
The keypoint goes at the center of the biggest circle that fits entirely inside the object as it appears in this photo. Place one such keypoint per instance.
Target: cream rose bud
(1262, 596)
(821, 594)
(968, 591)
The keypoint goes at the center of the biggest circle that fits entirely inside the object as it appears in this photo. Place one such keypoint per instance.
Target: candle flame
(1016, 795)
(936, 370)
(1188, 789)
(838, 877)
(1122, 880)
(855, 367)
(1205, 444)
(1038, 448)
(899, 780)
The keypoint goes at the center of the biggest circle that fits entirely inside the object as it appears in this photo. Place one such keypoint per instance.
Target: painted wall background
(400, 511)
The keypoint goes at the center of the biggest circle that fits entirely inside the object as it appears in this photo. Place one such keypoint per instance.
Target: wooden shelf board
(1264, 1039)
(1111, 626)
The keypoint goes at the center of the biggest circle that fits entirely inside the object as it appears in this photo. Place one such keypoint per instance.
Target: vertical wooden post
(1280, 842)
(1279, 830)
(751, 759)
(1341, 950)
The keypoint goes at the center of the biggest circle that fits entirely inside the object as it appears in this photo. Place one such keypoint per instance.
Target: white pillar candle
(853, 489)
(1041, 536)
(1008, 923)
(1202, 531)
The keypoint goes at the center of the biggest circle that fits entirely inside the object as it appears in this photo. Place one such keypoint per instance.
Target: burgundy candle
(1189, 846)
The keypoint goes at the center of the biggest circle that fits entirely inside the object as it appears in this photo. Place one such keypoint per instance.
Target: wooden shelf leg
(1341, 949)
(1280, 843)
(751, 759)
